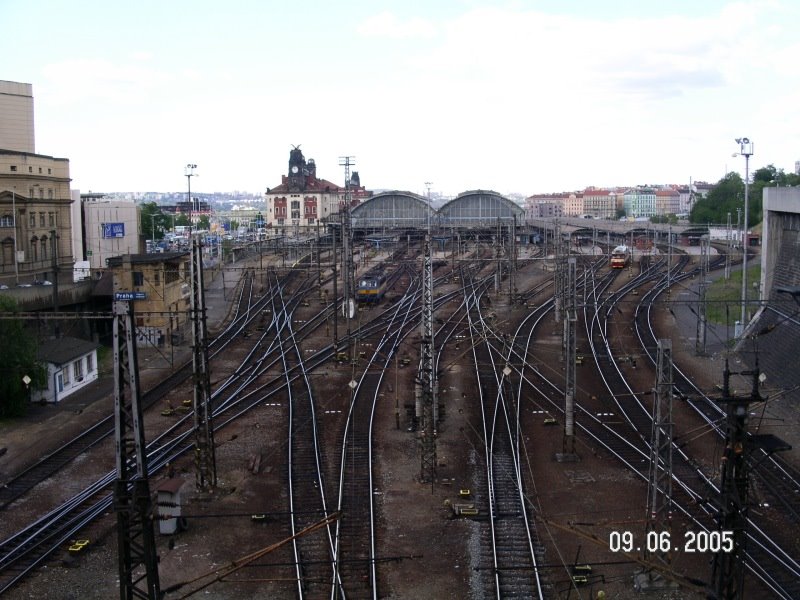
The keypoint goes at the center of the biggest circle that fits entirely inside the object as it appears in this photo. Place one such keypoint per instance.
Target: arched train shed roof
(392, 209)
(479, 208)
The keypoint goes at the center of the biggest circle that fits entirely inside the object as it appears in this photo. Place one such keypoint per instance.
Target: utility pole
(700, 338)
(570, 322)
(512, 274)
(659, 500)
(132, 501)
(54, 237)
(205, 455)
(557, 274)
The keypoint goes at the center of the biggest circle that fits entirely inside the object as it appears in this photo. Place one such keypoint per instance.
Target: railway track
(511, 549)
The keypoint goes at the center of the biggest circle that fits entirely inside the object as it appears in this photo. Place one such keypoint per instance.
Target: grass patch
(724, 297)
(105, 360)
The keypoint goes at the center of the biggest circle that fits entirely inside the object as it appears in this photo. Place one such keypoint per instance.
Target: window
(157, 278)
(77, 369)
(138, 278)
(51, 218)
(34, 257)
(43, 244)
(50, 193)
(6, 221)
(49, 171)
(41, 219)
(13, 167)
(65, 373)
(33, 219)
(40, 169)
(89, 363)
(30, 169)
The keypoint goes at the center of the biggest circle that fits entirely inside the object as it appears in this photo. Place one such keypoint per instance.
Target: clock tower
(297, 168)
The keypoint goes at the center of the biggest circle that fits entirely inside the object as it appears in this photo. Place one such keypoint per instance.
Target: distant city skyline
(524, 96)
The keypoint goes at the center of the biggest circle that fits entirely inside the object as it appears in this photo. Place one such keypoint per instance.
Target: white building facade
(71, 365)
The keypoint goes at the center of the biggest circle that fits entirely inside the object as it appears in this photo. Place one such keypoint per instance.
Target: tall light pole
(746, 150)
(189, 172)
(14, 212)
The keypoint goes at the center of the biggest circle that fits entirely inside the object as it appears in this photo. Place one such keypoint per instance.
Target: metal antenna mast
(558, 282)
(347, 250)
(205, 456)
(426, 376)
(659, 504)
(132, 500)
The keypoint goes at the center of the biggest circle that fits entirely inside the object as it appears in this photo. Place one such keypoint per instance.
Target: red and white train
(620, 257)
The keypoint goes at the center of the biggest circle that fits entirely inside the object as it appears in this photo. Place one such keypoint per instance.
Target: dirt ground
(427, 553)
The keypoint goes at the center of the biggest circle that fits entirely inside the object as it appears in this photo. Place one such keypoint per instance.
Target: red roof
(312, 185)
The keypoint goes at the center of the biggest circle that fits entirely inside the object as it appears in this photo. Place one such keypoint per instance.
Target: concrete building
(16, 117)
(164, 279)
(108, 228)
(573, 204)
(71, 365)
(35, 219)
(542, 206)
(668, 201)
(600, 204)
(35, 199)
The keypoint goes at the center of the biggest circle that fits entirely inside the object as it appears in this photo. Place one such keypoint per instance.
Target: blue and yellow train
(371, 286)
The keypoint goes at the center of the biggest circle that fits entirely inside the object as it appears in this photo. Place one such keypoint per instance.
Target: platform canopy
(392, 210)
(479, 208)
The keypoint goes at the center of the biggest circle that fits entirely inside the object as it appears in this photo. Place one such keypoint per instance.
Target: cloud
(388, 25)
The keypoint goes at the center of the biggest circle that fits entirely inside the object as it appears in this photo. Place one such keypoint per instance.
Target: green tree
(726, 197)
(151, 216)
(203, 222)
(183, 220)
(17, 359)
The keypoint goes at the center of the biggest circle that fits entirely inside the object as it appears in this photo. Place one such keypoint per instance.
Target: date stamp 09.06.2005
(665, 541)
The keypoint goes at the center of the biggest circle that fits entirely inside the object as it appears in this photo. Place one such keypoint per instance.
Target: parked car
(3, 286)
(23, 285)
(42, 282)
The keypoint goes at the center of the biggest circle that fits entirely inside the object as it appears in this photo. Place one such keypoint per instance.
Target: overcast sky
(521, 96)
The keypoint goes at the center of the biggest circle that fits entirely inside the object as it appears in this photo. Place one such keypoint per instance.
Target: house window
(138, 278)
(49, 171)
(6, 221)
(13, 167)
(30, 169)
(77, 369)
(89, 363)
(33, 219)
(50, 193)
(43, 244)
(40, 169)
(34, 258)
(51, 217)
(41, 219)
(65, 373)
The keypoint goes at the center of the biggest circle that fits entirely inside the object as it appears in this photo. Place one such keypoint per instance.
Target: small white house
(71, 365)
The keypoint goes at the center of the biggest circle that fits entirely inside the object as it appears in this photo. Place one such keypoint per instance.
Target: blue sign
(113, 230)
(130, 296)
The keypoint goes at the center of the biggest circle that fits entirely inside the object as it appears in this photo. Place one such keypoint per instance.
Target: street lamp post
(189, 172)
(746, 150)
